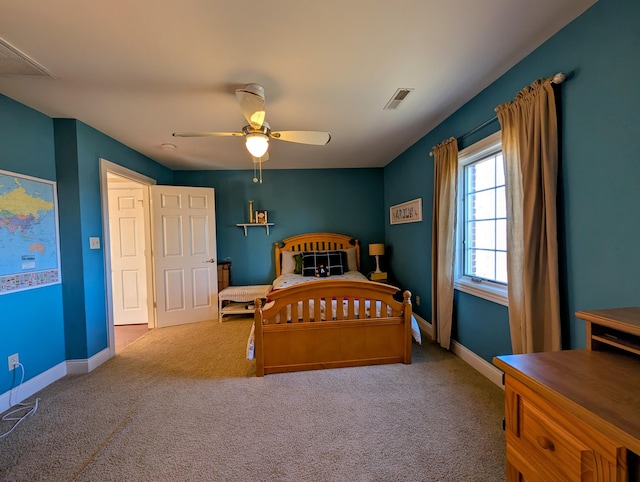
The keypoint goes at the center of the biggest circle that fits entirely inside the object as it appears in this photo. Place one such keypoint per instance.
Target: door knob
(210, 261)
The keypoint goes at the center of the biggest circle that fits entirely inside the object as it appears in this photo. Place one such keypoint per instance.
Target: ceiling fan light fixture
(257, 144)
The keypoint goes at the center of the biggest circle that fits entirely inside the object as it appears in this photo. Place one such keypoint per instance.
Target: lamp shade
(376, 249)
(257, 143)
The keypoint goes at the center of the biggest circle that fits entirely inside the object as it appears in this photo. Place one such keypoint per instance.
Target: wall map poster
(409, 212)
(29, 240)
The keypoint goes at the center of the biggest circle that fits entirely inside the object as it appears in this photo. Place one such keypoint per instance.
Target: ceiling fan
(258, 132)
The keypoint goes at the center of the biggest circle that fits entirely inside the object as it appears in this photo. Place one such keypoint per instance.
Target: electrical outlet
(13, 361)
(418, 300)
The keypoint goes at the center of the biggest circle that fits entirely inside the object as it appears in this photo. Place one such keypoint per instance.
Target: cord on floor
(11, 416)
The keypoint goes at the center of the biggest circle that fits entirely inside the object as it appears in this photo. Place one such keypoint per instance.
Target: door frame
(110, 167)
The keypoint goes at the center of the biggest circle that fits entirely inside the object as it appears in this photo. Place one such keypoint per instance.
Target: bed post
(407, 311)
(356, 244)
(258, 346)
(278, 262)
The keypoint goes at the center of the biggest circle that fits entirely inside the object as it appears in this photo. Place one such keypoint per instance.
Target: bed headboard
(315, 242)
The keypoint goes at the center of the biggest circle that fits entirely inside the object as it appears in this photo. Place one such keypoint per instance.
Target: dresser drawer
(551, 446)
(546, 444)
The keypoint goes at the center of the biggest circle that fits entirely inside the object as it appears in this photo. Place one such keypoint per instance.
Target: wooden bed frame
(352, 337)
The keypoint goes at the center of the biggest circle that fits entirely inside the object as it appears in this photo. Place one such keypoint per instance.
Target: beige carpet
(182, 404)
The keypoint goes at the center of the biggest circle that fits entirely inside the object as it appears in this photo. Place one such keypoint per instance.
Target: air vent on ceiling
(14, 62)
(396, 98)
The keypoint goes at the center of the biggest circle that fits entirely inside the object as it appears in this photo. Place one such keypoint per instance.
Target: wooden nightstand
(391, 281)
(378, 277)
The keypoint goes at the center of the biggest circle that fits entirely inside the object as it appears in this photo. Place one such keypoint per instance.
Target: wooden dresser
(575, 414)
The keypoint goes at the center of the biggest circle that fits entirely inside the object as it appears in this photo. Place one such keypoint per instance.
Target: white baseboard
(32, 386)
(425, 326)
(37, 383)
(477, 362)
(80, 367)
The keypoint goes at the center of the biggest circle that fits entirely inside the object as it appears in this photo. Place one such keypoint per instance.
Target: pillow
(298, 262)
(288, 264)
(331, 260)
(343, 261)
(352, 262)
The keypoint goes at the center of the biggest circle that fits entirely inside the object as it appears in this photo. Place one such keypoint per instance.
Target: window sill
(483, 289)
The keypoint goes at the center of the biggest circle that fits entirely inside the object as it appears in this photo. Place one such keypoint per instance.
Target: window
(481, 247)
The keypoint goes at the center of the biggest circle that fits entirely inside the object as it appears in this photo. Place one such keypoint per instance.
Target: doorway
(127, 250)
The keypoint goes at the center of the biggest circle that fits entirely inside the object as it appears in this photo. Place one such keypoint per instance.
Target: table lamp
(376, 250)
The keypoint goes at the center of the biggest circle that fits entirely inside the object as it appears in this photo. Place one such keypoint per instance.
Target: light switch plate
(94, 243)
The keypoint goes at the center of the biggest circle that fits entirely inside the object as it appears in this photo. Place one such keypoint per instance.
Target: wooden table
(575, 414)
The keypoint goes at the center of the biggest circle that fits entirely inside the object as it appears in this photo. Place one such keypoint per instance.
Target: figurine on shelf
(261, 216)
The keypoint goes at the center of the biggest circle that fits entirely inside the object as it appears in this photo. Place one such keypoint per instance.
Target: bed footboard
(332, 324)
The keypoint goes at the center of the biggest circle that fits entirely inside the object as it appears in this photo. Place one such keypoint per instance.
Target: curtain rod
(559, 78)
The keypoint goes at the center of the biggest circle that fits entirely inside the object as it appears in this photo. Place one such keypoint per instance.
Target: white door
(184, 251)
(128, 262)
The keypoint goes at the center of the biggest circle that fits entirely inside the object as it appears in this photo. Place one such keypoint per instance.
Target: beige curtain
(445, 162)
(530, 148)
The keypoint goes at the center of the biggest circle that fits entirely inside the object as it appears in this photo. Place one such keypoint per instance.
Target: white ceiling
(139, 70)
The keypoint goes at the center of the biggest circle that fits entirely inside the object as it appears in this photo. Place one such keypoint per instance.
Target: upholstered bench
(240, 299)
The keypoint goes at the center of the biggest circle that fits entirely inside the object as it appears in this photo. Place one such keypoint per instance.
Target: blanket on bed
(291, 279)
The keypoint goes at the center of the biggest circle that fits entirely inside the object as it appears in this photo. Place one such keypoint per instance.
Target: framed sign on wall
(409, 212)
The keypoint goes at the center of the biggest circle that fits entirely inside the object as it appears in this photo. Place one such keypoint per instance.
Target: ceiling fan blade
(252, 104)
(208, 134)
(316, 138)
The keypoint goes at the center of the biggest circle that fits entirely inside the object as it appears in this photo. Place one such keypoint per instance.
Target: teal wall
(599, 192)
(346, 201)
(31, 322)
